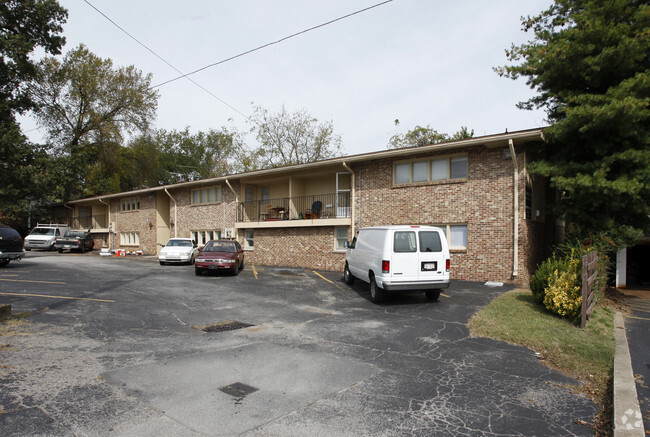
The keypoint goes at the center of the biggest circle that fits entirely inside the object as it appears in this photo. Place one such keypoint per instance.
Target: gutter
(515, 219)
(352, 194)
(175, 213)
(110, 231)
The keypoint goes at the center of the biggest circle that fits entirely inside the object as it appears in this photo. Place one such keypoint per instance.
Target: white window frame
(447, 230)
(249, 239)
(448, 162)
(202, 236)
(340, 239)
(131, 238)
(201, 196)
(130, 204)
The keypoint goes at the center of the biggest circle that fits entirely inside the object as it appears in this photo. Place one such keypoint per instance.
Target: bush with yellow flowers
(563, 296)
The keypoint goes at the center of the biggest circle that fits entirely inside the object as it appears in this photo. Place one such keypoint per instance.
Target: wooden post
(589, 275)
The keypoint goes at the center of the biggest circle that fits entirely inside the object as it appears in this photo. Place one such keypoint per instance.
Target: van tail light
(448, 264)
(385, 266)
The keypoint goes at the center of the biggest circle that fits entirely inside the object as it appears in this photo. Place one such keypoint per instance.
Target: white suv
(399, 258)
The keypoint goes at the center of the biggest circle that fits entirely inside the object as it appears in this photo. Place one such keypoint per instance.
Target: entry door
(343, 193)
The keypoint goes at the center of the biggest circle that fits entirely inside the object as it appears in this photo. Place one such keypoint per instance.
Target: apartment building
(477, 190)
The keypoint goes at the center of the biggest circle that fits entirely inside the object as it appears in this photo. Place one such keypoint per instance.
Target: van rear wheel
(432, 294)
(376, 293)
(347, 276)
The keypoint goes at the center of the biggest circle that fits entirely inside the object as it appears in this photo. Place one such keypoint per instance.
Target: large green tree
(589, 63)
(87, 105)
(24, 26)
(422, 136)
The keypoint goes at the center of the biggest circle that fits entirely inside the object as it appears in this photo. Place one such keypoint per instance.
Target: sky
(422, 62)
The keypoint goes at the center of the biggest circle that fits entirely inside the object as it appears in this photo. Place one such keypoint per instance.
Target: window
(132, 204)
(341, 236)
(404, 241)
(206, 195)
(456, 236)
(529, 202)
(430, 242)
(266, 193)
(441, 169)
(250, 239)
(203, 236)
(129, 239)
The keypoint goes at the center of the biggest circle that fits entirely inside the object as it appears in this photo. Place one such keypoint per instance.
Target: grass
(586, 354)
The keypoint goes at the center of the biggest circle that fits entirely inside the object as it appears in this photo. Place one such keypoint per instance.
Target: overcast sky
(423, 62)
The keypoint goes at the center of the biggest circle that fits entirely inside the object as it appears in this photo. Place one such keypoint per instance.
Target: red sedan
(220, 255)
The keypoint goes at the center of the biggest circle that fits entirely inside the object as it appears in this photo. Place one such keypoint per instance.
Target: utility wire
(270, 44)
(165, 61)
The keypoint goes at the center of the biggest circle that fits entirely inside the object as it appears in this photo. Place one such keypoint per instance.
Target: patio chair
(314, 212)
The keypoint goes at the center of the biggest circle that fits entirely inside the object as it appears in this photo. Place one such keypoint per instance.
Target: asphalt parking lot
(116, 346)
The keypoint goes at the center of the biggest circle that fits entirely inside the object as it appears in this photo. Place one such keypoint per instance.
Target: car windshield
(74, 234)
(42, 231)
(179, 243)
(220, 247)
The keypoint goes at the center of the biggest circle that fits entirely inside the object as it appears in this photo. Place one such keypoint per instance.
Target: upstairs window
(431, 170)
(206, 195)
(132, 204)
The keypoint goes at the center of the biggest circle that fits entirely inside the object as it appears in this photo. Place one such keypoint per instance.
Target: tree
(589, 64)
(290, 138)
(422, 136)
(86, 106)
(24, 25)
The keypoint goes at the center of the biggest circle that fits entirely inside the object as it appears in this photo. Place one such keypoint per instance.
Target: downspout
(110, 231)
(516, 209)
(236, 209)
(352, 192)
(175, 214)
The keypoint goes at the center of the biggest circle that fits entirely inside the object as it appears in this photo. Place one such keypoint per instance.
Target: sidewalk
(632, 357)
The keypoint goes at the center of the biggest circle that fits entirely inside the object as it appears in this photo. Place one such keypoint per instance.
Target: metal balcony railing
(318, 206)
(89, 222)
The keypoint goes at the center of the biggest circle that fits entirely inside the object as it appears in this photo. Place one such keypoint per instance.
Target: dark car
(11, 245)
(74, 240)
(220, 255)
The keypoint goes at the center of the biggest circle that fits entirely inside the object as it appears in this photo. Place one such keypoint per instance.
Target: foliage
(86, 105)
(24, 26)
(422, 136)
(290, 138)
(563, 296)
(539, 281)
(597, 151)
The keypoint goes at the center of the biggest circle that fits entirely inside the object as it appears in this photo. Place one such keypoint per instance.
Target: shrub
(540, 280)
(564, 293)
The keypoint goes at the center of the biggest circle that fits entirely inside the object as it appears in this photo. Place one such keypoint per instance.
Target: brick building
(477, 190)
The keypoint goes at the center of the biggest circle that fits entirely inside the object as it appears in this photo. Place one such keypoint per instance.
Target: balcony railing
(335, 205)
(93, 222)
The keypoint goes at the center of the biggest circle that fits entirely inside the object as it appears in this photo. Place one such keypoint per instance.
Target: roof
(495, 140)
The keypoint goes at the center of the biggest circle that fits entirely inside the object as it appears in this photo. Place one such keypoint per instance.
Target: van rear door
(405, 260)
(432, 258)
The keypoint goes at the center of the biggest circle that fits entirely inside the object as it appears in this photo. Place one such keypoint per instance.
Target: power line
(164, 60)
(271, 43)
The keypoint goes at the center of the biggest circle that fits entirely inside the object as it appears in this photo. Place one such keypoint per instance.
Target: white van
(44, 235)
(399, 258)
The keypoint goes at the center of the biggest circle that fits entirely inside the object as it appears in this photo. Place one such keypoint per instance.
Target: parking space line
(254, 271)
(638, 318)
(323, 277)
(57, 297)
(444, 295)
(37, 282)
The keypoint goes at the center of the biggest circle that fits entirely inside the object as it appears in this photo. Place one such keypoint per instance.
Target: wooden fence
(589, 275)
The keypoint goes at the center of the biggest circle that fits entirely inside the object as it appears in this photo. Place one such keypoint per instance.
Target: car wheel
(82, 249)
(197, 272)
(376, 293)
(162, 263)
(347, 276)
(432, 294)
(60, 250)
(4, 262)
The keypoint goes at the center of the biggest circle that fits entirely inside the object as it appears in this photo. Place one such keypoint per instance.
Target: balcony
(295, 211)
(96, 223)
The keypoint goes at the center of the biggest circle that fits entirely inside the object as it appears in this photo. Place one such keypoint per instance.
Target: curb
(628, 421)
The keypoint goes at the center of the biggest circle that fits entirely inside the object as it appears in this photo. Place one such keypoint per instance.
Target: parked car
(220, 255)
(43, 236)
(399, 258)
(178, 250)
(74, 240)
(11, 245)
